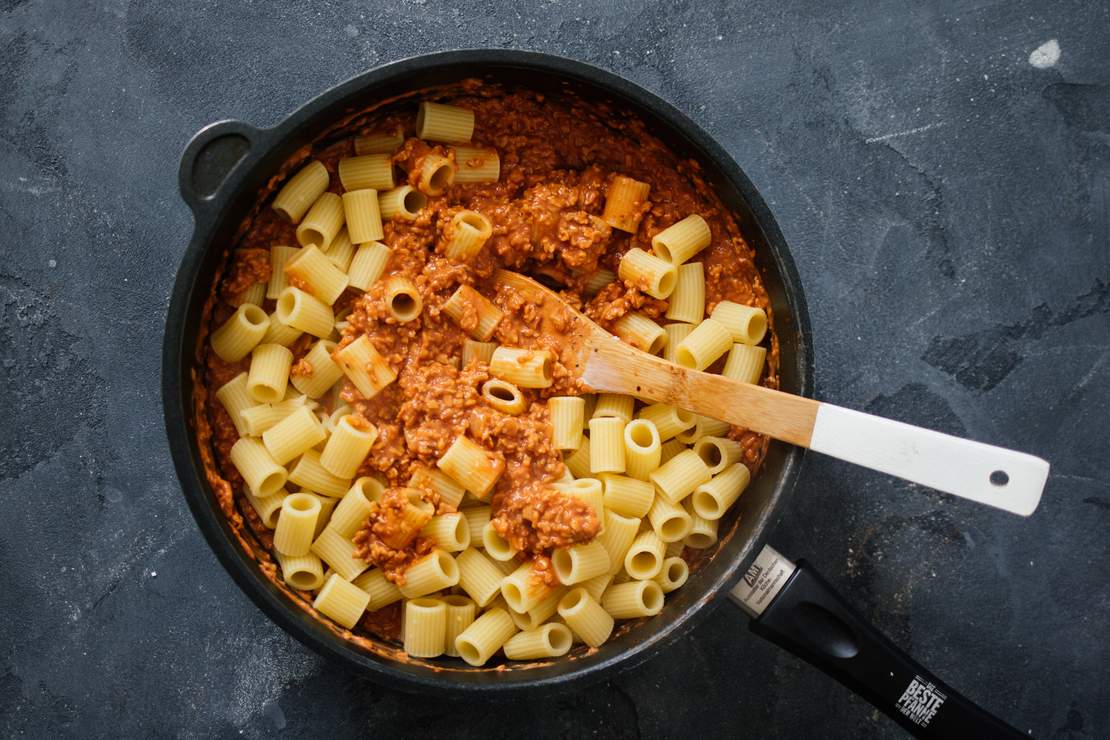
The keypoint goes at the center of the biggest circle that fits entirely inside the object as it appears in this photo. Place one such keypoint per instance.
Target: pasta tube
(607, 445)
(449, 124)
(472, 466)
(380, 142)
(437, 173)
(678, 477)
(566, 414)
(269, 372)
(460, 615)
(673, 574)
(708, 341)
(304, 573)
(348, 446)
(745, 363)
(402, 298)
(450, 532)
(368, 264)
(474, 313)
(548, 641)
(310, 474)
(322, 222)
(311, 270)
(340, 553)
(627, 496)
(688, 299)
(363, 216)
(469, 232)
(366, 172)
(633, 599)
(296, 524)
(645, 556)
(652, 275)
(382, 591)
(642, 448)
(303, 312)
(505, 397)
(343, 602)
(364, 367)
(641, 332)
(262, 474)
(476, 165)
(235, 398)
(241, 333)
(301, 191)
(718, 453)
(585, 616)
(746, 324)
(580, 562)
(478, 642)
(712, 499)
(527, 368)
(682, 240)
(317, 371)
(625, 203)
(436, 570)
(613, 405)
(668, 420)
(294, 434)
(670, 521)
(404, 203)
(429, 479)
(425, 630)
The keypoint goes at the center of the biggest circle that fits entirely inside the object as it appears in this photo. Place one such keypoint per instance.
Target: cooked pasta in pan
(413, 468)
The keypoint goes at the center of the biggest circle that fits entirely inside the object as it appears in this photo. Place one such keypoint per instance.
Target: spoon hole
(999, 478)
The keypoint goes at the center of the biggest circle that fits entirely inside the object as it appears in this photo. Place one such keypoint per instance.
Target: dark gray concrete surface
(948, 204)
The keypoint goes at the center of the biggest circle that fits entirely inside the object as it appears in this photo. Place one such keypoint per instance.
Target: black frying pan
(222, 170)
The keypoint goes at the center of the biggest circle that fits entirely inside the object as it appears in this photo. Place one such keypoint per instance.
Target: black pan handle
(213, 159)
(795, 608)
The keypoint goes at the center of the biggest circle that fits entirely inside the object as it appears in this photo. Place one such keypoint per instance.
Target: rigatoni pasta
(364, 367)
(647, 272)
(367, 171)
(269, 372)
(625, 203)
(301, 191)
(449, 124)
(476, 165)
(472, 466)
(241, 333)
(745, 363)
(405, 203)
(526, 368)
(682, 240)
(747, 324)
(317, 275)
(368, 264)
(322, 222)
(363, 215)
(473, 313)
(641, 332)
(379, 142)
(687, 302)
(469, 231)
(567, 414)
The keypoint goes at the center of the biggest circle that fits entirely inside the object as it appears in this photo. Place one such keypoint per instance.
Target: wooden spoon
(991, 475)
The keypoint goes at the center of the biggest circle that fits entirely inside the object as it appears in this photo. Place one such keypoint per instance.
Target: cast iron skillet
(222, 170)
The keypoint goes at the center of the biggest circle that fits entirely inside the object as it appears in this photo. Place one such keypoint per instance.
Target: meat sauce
(557, 154)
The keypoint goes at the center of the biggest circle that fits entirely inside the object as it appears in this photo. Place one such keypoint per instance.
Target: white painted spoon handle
(990, 475)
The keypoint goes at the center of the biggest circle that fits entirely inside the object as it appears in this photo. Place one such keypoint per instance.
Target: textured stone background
(948, 204)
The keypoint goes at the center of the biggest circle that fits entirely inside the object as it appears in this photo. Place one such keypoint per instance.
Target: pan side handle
(797, 609)
(212, 160)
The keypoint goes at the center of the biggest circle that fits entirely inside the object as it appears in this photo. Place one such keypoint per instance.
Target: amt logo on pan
(920, 701)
